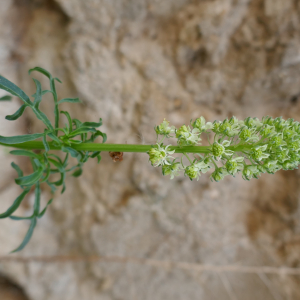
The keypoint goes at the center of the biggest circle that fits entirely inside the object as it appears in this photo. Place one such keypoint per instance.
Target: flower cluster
(249, 146)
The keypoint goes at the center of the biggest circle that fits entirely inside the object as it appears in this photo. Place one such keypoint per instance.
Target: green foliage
(45, 164)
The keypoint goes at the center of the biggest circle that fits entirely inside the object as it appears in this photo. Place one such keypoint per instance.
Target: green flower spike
(233, 165)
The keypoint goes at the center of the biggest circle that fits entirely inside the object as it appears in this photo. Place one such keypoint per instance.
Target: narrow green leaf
(77, 123)
(16, 218)
(44, 210)
(17, 168)
(43, 93)
(92, 124)
(57, 164)
(70, 150)
(41, 70)
(77, 173)
(27, 236)
(46, 145)
(61, 181)
(18, 139)
(57, 79)
(15, 205)
(10, 87)
(69, 100)
(95, 153)
(48, 171)
(24, 153)
(54, 137)
(81, 130)
(99, 158)
(30, 179)
(52, 186)
(57, 157)
(5, 98)
(99, 133)
(41, 116)
(17, 114)
(38, 93)
(37, 199)
(69, 119)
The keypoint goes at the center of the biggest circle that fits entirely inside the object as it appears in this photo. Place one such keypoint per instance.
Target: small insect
(116, 156)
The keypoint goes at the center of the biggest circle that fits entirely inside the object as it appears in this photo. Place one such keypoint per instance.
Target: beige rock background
(134, 62)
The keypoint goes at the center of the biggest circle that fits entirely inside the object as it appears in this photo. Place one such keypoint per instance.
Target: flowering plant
(249, 146)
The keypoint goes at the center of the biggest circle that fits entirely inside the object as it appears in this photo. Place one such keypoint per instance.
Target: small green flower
(164, 128)
(253, 123)
(219, 174)
(257, 153)
(172, 169)
(234, 165)
(277, 141)
(248, 135)
(219, 150)
(193, 171)
(160, 155)
(268, 131)
(250, 171)
(201, 124)
(188, 137)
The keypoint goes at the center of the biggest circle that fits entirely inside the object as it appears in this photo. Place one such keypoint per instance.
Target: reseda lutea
(249, 147)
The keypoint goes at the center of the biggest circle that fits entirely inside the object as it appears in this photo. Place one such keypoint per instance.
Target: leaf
(17, 168)
(17, 114)
(54, 137)
(77, 123)
(92, 124)
(38, 94)
(81, 130)
(46, 145)
(69, 100)
(16, 218)
(37, 199)
(95, 153)
(41, 70)
(52, 186)
(77, 173)
(69, 119)
(70, 150)
(41, 116)
(24, 153)
(44, 210)
(15, 205)
(57, 164)
(5, 98)
(47, 174)
(30, 179)
(99, 158)
(57, 79)
(61, 181)
(27, 236)
(10, 87)
(18, 139)
(100, 133)
(43, 93)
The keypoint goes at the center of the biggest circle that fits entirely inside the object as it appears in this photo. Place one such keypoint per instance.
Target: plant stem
(38, 145)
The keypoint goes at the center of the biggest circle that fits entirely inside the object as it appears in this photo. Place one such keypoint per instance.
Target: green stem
(38, 145)
(188, 158)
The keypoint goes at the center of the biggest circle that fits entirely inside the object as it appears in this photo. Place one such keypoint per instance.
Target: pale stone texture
(133, 63)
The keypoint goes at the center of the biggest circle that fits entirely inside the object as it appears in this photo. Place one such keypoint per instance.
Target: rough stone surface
(133, 63)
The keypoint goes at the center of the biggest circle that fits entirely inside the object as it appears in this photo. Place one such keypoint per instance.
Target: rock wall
(133, 63)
